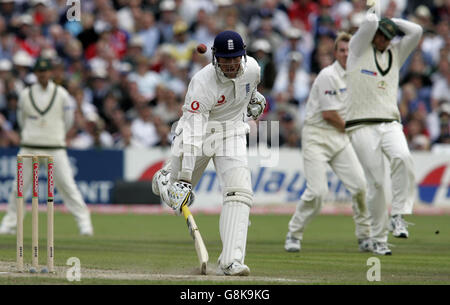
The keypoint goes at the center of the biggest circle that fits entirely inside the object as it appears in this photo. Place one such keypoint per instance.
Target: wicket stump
(35, 212)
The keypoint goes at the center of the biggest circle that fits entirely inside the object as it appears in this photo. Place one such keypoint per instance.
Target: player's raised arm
(363, 37)
(413, 33)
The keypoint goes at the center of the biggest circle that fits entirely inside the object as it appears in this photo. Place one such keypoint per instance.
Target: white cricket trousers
(371, 144)
(64, 184)
(322, 147)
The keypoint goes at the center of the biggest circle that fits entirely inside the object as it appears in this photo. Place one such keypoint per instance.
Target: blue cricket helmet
(228, 44)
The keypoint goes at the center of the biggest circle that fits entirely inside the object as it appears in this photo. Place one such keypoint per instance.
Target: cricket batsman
(213, 126)
(373, 120)
(324, 143)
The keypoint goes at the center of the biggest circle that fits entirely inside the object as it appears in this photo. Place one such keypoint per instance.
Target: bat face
(200, 247)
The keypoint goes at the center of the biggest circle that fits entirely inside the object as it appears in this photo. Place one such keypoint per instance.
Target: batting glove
(256, 105)
(180, 193)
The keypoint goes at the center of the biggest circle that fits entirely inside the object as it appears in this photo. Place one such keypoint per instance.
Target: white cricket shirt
(328, 92)
(45, 115)
(373, 76)
(213, 104)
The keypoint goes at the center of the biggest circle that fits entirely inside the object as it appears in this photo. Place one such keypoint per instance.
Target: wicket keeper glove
(256, 105)
(180, 192)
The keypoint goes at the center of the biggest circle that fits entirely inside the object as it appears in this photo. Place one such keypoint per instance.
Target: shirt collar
(337, 66)
(49, 86)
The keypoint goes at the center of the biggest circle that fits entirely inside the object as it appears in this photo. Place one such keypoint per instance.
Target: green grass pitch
(157, 249)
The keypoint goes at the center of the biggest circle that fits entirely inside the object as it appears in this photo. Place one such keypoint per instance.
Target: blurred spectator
(10, 111)
(289, 128)
(262, 52)
(292, 140)
(92, 133)
(23, 62)
(322, 55)
(441, 87)
(128, 15)
(126, 139)
(422, 86)
(231, 22)
(167, 19)
(296, 40)
(417, 135)
(168, 106)
(409, 101)
(434, 39)
(182, 47)
(301, 13)
(149, 33)
(293, 79)
(143, 129)
(172, 73)
(164, 135)
(88, 36)
(135, 50)
(204, 30)
(8, 137)
(7, 10)
(266, 30)
(145, 79)
(324, 23)
(5, 73)
(270, 12)
(444, 125)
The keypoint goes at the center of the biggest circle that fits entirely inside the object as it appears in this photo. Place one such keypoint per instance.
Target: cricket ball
(201, 48)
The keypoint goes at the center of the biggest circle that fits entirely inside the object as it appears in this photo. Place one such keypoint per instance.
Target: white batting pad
(237, 186)
(233, 232)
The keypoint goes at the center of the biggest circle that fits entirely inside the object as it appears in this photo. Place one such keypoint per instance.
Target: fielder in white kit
(45, 114)
(213, 127)
(373, 120)
(324, 142)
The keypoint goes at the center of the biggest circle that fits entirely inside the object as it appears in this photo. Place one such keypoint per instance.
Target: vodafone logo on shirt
(195, 105)
(221, 101)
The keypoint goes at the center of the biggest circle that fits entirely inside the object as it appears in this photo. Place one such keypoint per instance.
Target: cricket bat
(202, 253)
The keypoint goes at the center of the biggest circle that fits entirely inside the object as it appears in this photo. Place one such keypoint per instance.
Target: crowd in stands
(127, 63)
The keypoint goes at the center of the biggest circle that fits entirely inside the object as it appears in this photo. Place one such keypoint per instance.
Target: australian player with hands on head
(324, 143)
(373, 119)
(212, 126)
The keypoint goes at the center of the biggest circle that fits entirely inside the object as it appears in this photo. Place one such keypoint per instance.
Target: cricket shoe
(365, 245)
(292, 244)
(234, 269)
(381, 248)
(85, 227)
(399, 227)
